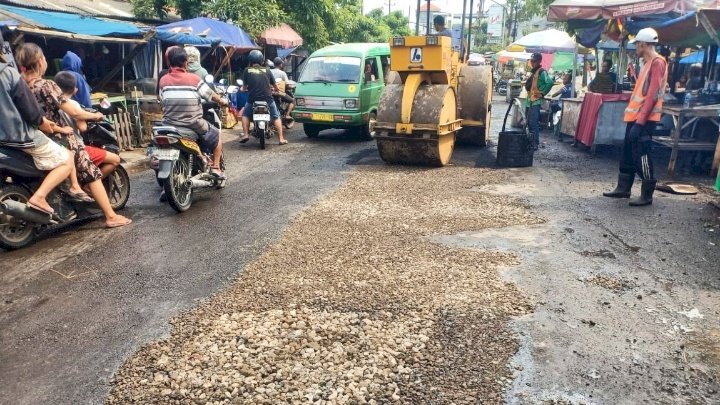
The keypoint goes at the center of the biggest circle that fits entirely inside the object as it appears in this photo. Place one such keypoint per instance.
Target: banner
(496, 17)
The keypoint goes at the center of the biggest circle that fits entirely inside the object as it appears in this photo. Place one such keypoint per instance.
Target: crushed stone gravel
(354, 304)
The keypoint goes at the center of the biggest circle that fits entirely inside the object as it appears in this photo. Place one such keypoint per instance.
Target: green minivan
(340, 87)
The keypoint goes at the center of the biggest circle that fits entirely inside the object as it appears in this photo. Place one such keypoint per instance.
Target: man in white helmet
(641, 115)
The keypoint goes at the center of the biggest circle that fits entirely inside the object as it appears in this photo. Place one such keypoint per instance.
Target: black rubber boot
(646, 195)
(625, 183)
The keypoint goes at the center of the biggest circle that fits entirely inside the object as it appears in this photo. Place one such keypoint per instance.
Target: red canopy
(283, 36)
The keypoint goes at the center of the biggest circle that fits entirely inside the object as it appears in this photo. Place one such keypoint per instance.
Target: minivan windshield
(331, 69)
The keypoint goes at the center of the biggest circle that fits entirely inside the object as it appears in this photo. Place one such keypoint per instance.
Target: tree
(254, 16)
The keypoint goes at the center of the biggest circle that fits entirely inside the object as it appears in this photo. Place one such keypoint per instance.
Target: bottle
(688, 98)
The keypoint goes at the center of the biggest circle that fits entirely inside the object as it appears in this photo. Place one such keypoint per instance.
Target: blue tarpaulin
(697, 57)
(185, 38)
(74, 23)
(229, 35)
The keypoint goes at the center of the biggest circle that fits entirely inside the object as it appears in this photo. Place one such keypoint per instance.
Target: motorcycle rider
(259, 82)
(22, 117)
(279, 73)
(181, 93)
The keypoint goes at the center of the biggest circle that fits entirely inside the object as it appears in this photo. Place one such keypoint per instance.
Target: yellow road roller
(437, 100)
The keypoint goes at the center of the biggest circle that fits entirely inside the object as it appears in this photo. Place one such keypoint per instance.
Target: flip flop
(81, 196)
(38, 208)
(219, 173)
(127, 221)
(244, 139)
(283, 142)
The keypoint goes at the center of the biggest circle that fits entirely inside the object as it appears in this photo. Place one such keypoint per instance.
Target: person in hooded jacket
(72, 63)
(194, 66)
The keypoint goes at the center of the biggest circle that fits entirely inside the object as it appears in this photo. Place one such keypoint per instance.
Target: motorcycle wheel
(14, 233)
(262, 139)
(117, 185)
(178, 194)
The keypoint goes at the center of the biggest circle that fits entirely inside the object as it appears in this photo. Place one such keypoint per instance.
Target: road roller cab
(340, 87)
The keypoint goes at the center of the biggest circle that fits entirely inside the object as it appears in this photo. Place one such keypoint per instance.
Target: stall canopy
(689, 30)
(506, 56)
(545, 41)
(229, 35)
(696, 57)
(564, 10)
(71, 23)
(184, 38)
(283, 36)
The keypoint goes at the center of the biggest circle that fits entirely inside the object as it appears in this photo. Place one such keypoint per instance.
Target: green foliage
(254, 16)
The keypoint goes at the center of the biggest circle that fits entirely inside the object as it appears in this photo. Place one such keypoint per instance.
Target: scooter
(20, 226)
(263, 128)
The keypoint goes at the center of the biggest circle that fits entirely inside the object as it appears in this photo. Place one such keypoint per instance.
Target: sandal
(80, 197)
(218, 172)
(244, 139)
(123, 222)
(283, 142)
(39, 208)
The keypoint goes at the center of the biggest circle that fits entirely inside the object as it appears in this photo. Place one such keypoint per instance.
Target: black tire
(16, 234)
(367, 131)
(178, 194)
(311, 130)
(117, 185)
(261, 138)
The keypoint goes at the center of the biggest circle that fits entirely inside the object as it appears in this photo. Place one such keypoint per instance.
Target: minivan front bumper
(330, 118)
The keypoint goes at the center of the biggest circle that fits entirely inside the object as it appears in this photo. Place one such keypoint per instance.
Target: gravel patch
(355, 305)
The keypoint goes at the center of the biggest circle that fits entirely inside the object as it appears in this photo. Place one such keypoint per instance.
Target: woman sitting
(33, 66)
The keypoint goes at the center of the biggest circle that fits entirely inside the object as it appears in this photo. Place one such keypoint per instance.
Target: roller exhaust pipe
(19, 210)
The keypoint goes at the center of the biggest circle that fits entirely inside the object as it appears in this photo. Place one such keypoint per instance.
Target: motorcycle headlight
(300, 102)
(351, 103)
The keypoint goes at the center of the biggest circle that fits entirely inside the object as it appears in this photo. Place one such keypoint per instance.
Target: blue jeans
(274, 112)
(533, 117)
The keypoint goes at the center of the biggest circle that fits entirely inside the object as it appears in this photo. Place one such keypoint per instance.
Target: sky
(453, 6)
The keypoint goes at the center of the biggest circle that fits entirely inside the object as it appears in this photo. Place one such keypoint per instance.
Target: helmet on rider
(270, 64)
(256, 57)
(278, 61)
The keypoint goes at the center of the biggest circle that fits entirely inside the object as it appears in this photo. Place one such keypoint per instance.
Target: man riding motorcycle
(182, 94)
(279, 73)
(259, 83)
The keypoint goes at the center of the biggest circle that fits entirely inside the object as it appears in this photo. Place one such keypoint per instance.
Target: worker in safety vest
(641, 115)
(537, 86)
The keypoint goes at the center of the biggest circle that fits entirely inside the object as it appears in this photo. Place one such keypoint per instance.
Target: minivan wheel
(311, 130)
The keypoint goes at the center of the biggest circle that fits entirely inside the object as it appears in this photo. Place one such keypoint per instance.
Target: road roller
(438, 99)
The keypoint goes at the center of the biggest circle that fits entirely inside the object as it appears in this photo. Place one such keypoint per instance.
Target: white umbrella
(547, 41)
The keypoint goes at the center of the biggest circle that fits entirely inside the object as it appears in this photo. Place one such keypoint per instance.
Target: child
(106, 161)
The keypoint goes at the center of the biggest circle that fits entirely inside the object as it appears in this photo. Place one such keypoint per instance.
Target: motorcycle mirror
(210, 79)
(223, 81)
(239, 82)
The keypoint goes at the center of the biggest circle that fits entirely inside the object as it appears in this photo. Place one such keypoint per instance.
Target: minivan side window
(371, 70)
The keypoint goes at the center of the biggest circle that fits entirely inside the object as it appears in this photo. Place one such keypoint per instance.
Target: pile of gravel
(354, 304)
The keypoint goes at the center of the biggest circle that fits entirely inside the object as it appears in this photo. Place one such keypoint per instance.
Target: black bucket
(515, 148)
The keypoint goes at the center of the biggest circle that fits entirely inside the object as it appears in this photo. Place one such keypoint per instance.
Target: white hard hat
(647, 35)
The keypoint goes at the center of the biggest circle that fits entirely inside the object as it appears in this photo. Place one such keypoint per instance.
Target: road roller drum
(434, 123)
(474, 100)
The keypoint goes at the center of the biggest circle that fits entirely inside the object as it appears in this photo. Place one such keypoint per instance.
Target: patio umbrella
(546, 41)
(506, 56)
(282, 36)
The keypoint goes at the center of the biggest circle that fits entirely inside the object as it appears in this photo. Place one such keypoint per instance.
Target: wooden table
(683, 118)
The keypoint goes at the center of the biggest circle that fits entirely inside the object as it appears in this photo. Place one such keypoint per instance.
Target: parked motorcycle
(19, 178)
(501, 87)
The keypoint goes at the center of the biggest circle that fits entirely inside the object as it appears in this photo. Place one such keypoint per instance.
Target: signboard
(7, 52)
(496, 17)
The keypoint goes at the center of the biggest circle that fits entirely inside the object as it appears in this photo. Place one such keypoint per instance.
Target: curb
(143, 164)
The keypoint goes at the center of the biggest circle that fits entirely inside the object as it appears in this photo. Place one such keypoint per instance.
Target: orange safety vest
(535, 93)
(639, 94)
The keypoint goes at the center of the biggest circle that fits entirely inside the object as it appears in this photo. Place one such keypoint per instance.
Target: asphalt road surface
(625, 301)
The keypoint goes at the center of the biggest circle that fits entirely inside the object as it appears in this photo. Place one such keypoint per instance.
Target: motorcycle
(228, 119)
(182, 167)
(283, 99)
(20, 226)
(501, 87)
(263, 128)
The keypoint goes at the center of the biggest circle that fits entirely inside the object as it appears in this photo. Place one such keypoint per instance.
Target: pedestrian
(538, 85)
(72, 63)
(641, 115)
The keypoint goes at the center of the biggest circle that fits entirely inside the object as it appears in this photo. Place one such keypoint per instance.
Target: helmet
(278, 61)
(256, 57)
(647, 35)
(270, 64)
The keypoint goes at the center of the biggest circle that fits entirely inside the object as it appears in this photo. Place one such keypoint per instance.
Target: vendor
(564, 92)
(605, 81)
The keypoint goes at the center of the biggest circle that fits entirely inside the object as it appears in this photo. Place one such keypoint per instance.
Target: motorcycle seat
(19, 163)
(172, 130)
(260, 103)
